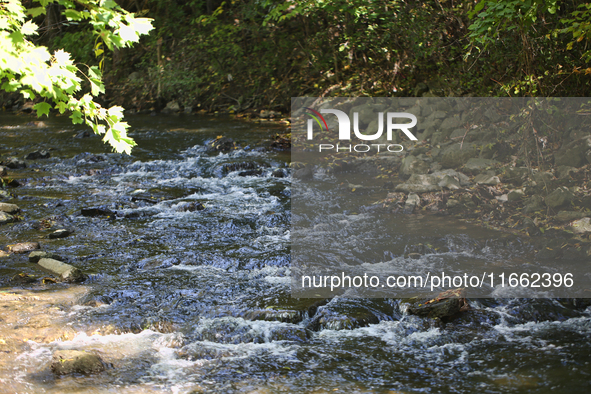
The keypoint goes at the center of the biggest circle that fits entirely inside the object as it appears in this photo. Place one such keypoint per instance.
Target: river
(189, 281)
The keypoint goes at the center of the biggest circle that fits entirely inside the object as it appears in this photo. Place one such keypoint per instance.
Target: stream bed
(189, 281)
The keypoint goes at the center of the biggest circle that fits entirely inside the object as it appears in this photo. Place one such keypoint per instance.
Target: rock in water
(65, 271)
(6, 218)
(40, 154)
(446, 304)
(65, 362)
(62, 233)
(9, 208)
(23, 247)
(98, 211)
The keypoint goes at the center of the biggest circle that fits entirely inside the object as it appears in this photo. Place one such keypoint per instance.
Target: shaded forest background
(240, 55)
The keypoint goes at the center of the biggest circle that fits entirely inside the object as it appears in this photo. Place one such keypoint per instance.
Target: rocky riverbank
(500, 163)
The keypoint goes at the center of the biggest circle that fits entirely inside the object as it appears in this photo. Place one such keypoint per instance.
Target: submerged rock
(3, 171)
(40, 154)
(65, 362)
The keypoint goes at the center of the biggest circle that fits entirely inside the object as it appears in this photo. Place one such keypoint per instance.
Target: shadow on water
(189, 287)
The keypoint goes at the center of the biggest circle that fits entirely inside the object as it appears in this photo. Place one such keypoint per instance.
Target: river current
(189, 281)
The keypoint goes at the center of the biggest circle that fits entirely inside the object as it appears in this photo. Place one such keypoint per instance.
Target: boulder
(9, 208)
(23, 247)
(411, 203)
(487, 179)
(66, 362)
(412, 165)
(456, 155)
(569, 216)
(581, 226)
(222, 144)
(515, 195)
(171, 107)
(535, 203)
(559, 198)
(3, 171)
(476, 165)
(573, 154)
(563, 172)
(65, 271)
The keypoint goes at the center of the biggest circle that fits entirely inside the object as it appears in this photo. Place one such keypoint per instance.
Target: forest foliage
(238, 55)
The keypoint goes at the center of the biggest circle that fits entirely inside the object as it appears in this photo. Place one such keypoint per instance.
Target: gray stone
(559, 198)
(171, 107)
(515, 175)
(9, 208)
(535, 203)
(66, 362)
(411, 165)
(416, 188)
(450, 123)
(437, 138)
(65, 271)
(581, 226)
(569, 216)
(542, 178)
(61, 233)
(457, 133)
(23, 247)
(515, 195)
(476, 165)
(5, 195)
(6, 218)
(3, 171)
(486, 179)
(446, 304)
(35, 256)
(563, 172)
(456, 155)
(15, 163)
(366, 114)
(265, 114)
(40, 154)
(449, 183)
(463, 179)
(412, 201)
(573, 154)
(452, 203)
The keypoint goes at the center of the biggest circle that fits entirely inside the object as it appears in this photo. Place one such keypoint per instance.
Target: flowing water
(188, 300)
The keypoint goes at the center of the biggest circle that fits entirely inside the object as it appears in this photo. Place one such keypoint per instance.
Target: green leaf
(34, 12)
(42, 109)
(76, 117)
(73, 15)
(29, 28)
